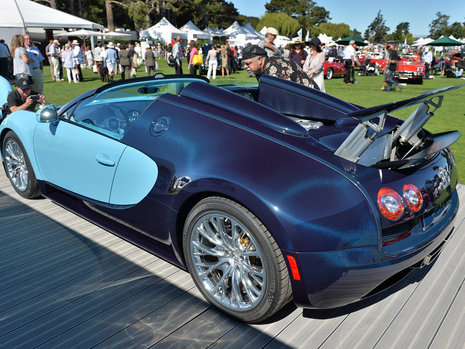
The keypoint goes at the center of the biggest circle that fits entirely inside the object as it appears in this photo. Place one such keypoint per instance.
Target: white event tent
(194, 33)
(240, 36)
(18, 16)
(422, 42)
(163, 31)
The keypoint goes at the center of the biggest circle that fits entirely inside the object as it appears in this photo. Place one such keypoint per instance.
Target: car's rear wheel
(329, 73)
(18, 167)
(234, 260)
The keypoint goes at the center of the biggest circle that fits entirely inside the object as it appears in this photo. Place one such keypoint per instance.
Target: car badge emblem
(159, 126)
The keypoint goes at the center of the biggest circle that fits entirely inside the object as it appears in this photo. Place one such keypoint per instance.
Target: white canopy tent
(216, 32)
(252, 31)
(17, 16)
(422, 41)
(163, 31)
(194, 33)
(239, 36)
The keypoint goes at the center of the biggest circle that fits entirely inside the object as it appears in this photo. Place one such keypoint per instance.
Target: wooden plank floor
(65, 283)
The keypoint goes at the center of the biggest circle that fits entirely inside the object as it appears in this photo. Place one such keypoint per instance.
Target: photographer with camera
(23, 98)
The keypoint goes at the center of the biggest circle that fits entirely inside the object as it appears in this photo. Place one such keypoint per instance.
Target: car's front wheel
(18, 167)
(329, 73)
(234, 260)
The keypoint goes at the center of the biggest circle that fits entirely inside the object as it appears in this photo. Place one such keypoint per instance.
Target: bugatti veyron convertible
(265, 194)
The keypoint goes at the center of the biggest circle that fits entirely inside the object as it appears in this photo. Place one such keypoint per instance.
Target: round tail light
(413, 197)
(390, 204)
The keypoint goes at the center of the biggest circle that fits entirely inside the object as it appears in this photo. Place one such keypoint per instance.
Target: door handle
(104, 160)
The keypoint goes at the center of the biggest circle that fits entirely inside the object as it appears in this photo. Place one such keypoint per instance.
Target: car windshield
(113, 110)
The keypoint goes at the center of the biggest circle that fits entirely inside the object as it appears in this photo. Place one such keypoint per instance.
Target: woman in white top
(67, 57)
(21, 69)
(313, 65)
(212, 62)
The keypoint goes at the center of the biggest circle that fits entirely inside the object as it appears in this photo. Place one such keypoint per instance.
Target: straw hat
(297, 43)
(111, 45)
(75, 42)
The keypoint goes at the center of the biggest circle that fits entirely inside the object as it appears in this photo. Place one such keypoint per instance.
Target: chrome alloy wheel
(228, 262)
(16, 165)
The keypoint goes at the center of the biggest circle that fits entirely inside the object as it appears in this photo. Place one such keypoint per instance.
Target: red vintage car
(333, 66)
(410, 69)
(377, 58)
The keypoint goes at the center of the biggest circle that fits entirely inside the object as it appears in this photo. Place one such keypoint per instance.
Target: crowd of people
(301, 62)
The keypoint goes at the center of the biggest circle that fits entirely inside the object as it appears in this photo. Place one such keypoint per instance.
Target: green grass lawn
(451, 116)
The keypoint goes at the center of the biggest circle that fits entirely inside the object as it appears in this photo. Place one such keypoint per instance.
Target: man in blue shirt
(4, 54)
(111, 59)
(37, 66)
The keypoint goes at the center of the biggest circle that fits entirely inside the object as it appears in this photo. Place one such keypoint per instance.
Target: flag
(172, 42)
(299, 33)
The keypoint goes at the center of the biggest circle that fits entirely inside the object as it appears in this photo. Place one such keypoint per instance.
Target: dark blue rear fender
(304, 213)
(305, 203)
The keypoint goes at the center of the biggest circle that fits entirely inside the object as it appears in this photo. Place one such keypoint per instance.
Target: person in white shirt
(36, 66)
(314, 63)
(350, 59)
(428, 59)
(212, 61)
(54, 53)
(77, 58)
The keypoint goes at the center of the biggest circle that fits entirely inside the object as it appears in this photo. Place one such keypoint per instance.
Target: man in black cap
(255, 61)
(23, 98)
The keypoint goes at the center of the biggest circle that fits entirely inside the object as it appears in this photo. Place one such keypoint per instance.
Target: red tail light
(390, 204)
(413, 197)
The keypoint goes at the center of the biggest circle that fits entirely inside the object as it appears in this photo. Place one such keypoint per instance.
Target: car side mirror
(47, 114)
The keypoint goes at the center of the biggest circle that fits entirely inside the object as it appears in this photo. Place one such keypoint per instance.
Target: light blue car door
(77, 158)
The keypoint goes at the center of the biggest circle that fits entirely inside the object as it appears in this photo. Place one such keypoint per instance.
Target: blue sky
(359, 14)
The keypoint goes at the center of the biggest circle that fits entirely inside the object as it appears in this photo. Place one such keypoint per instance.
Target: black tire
(329, 73)
(19, 170)
(252, 251)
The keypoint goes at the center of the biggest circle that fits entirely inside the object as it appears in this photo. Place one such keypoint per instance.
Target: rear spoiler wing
(364, 146)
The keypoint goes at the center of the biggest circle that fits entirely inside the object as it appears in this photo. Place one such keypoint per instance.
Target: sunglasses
(246, 64)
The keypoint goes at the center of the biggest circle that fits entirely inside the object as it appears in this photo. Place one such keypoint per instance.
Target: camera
(35, 98)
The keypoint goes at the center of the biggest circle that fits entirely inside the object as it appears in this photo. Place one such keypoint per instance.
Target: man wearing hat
(268, 44)
(23, 98)
(256, 62)
(111, 59)
(77, 58)
(54, 54)
(350, 59)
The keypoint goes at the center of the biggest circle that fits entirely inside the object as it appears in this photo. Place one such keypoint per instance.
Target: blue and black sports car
(265, 194)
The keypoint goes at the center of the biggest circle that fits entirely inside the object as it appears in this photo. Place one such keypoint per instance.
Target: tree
(305, 11)
(439, 25)
(401, 32)
(52, 3)
(243, 20)
(377, 30)
(336, 31)
(109, 12)
(456, 29)
(284, 24)
(356, 33)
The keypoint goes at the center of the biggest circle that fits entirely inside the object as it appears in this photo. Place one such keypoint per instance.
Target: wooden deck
(66, 283)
